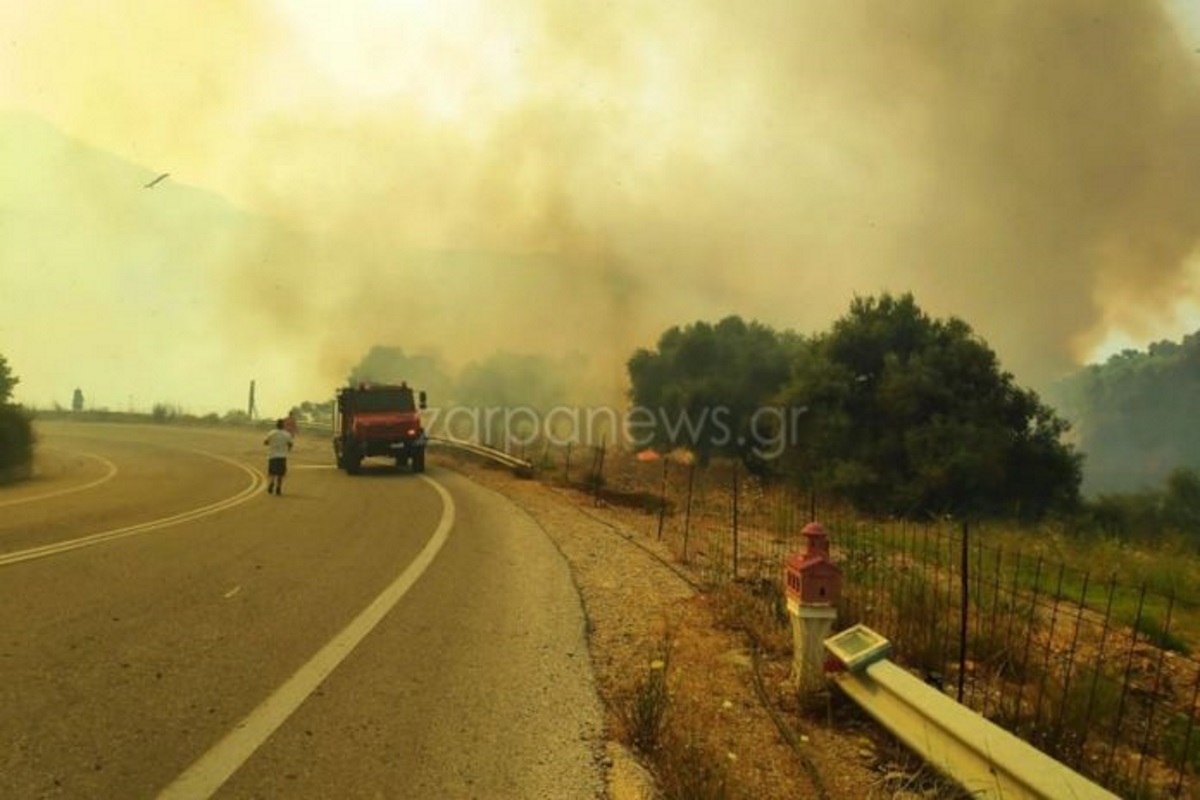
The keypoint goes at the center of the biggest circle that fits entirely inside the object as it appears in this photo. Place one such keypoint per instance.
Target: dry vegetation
(696, 682)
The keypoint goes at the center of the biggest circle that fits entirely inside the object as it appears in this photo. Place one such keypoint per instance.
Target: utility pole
(251, 408)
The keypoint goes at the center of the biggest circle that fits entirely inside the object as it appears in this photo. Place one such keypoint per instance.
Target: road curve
(127, 663)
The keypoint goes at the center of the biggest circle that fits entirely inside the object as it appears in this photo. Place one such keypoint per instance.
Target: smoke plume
(556, 177)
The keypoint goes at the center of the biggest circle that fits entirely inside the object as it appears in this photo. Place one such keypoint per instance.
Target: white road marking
(202, 779)
(256, 482)
(110, 471)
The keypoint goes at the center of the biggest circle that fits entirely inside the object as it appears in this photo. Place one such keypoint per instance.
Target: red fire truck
(378, 420)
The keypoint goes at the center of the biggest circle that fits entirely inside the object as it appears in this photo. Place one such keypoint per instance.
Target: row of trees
(1135, 415)
(1150, 515)
(16, 430)
(891, 409)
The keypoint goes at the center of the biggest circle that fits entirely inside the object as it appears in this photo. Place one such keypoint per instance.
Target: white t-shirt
(279, 442)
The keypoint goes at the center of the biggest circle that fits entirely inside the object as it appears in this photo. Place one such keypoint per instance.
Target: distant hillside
(105, 284)
(173, 294)
(1135, 416)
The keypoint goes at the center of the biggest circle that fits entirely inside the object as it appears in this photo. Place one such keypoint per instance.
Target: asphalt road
(169, 630)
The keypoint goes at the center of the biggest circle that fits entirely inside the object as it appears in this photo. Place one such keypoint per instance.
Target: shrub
(687, 770)
(758, 609)
(1157, 634)
(16, 444)
(164, 412)
(644, 712)
(1181, 741)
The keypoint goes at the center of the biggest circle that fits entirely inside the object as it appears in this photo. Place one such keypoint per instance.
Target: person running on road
(279, 442)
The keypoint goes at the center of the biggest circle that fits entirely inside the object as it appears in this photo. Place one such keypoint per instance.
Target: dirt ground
(738, 707)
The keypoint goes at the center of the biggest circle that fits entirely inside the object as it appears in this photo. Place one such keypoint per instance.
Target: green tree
(1181, 503)
(913, 415)
(1135, 415)
(8, 381)
(1148, 516)
(704, 385)
(16, 430)
(321, 412)
(387, 364)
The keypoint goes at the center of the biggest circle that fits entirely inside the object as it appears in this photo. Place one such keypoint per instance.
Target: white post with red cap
(813, 587)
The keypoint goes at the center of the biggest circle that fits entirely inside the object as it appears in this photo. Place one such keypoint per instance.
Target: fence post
(1069, 667)
(687, 516)
(1158, 674)
(995, 623)
(1047, 650)
(597, 476)
(1096, 666)
(1029, 626)
(735, 520)
(662, 498)
(1125, 682)
(966, 599)
(1187, 737)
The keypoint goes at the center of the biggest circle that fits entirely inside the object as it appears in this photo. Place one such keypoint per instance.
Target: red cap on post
(812, 579)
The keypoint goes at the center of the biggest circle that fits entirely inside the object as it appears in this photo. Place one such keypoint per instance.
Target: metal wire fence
(1092, 668)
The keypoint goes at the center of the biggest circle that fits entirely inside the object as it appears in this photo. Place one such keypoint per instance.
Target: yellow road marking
(110, 467)
(256, 483)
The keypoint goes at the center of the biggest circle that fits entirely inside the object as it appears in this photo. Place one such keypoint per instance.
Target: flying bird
(156, 181)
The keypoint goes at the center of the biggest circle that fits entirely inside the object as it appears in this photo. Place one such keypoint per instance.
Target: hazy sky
(459, 177)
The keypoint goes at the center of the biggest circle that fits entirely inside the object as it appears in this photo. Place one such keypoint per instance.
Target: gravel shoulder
(741, 707)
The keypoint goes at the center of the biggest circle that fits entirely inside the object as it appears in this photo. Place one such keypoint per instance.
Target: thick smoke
(1028, 166)
(556, 177)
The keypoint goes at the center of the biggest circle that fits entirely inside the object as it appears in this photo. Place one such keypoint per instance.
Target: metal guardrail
(521, 465)
(979, 755)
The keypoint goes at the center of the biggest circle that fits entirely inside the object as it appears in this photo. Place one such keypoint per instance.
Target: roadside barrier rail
(521, 465)
(979, 755)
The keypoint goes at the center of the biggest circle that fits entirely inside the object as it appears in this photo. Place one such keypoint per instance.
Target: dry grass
(667, 738)
(707, 723)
